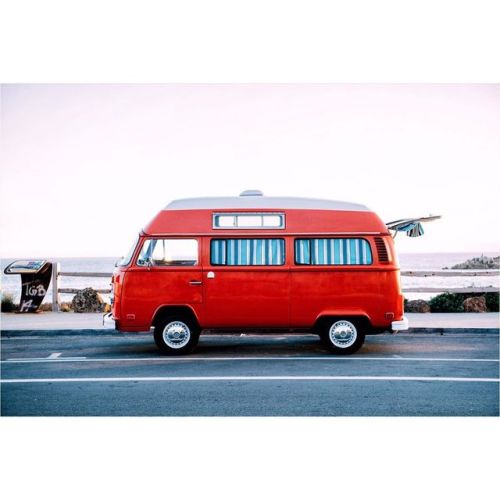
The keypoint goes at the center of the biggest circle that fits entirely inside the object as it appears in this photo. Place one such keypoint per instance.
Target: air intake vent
(383, 254)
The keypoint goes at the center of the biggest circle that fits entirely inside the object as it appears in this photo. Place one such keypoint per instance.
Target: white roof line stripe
(263, 203)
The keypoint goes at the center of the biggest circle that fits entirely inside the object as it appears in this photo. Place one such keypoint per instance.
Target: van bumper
(108, 320)
(398, 326)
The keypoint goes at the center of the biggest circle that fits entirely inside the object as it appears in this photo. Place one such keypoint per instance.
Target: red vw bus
(255, 262)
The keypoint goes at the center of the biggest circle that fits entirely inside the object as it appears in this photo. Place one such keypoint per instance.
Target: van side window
(247, 252)
(169, 252)
(333, 251)
(249, 221)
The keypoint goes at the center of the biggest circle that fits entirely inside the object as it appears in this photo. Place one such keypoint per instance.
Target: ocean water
(408, 262)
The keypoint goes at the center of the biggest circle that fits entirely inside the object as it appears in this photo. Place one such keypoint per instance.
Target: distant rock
(475, 304)
(87, 300)
(479, 263)
(417, 306)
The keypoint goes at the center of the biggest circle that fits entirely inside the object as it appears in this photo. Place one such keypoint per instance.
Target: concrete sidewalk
(53, 321)
(419, 323)
(454, 320)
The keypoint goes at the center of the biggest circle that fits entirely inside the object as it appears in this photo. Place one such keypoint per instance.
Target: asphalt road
(392, 375)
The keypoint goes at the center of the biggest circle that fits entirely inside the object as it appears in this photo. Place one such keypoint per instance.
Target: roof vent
(252, 192)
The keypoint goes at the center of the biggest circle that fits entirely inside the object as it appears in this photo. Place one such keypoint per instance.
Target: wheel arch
(180, 310)
(360, 319)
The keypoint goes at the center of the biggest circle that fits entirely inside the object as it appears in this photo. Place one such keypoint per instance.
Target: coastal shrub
(492, 301)
(453, 302)
(8, 303)
(447, 302)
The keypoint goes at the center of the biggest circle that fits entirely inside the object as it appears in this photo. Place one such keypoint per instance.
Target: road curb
(112, 332)
(442, 331)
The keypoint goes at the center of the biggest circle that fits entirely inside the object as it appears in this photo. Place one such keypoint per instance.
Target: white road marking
(248, 358)
(54, 355)
(247, 378)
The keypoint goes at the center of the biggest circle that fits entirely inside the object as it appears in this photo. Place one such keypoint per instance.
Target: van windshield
(125, 261)
(169, 252)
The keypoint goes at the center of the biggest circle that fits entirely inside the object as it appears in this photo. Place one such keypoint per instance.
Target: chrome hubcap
(343, 334)
(176, 334)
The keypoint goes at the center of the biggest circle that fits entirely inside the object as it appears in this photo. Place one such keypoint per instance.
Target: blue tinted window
(333, 251)
(247, 252)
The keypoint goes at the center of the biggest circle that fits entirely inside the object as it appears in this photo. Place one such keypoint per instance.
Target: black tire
(342, 336)
(168, 342)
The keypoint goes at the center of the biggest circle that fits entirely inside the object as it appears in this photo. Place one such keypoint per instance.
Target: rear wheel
(342, 336)
(176, 335)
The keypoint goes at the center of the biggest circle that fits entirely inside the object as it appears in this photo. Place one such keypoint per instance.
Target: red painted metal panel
(297, 221)
(246, 297)
(145, 291)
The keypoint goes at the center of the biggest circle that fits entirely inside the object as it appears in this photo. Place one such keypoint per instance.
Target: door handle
(194, 282)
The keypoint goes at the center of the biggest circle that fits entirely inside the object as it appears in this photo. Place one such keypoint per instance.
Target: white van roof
(258, 201)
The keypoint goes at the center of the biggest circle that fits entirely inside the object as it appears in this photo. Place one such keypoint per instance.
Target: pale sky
(85, 167)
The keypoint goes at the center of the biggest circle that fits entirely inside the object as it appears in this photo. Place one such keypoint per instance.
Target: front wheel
(342, 336)
(176, 336)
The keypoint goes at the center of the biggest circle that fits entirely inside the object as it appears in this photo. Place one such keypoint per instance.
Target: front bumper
(398, 326)
(108, 320)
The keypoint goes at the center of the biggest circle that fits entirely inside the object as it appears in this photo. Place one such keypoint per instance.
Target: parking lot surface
(251, 375)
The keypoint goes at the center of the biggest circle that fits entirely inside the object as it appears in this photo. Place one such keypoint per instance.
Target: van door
(167, 272)
(246, 283)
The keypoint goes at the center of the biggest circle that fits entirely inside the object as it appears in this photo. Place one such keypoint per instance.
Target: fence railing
(57, 290)
(445, 272)
(57, 273)
(451, 273)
